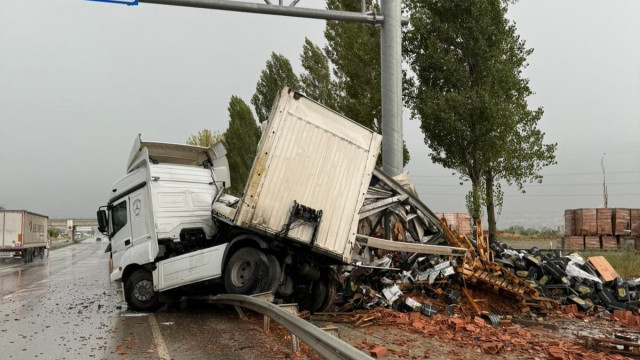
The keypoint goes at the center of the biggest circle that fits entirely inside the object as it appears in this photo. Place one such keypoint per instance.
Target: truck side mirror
(103, 223)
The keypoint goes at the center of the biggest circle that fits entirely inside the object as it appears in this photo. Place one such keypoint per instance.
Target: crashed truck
(311, 200)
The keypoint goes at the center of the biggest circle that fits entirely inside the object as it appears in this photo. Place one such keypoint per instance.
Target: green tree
(470, 97)
(316, 81)
(354, 51)
(204, 138)
(241, 142)
(276, 75)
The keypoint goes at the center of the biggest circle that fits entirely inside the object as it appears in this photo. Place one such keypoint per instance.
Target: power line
(534, 195)
(527, 185)
(543, 175)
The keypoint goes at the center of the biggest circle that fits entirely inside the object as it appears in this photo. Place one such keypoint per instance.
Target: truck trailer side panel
(22, 229)
(315, 157)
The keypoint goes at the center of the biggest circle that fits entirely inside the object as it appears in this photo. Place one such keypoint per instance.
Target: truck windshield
(118, 217)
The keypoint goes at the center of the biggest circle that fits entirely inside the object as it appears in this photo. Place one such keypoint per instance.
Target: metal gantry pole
(391, 83)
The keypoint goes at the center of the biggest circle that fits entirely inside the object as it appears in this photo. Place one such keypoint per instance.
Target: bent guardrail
(323, 343)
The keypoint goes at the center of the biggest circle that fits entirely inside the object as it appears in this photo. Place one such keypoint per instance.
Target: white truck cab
(158, 216)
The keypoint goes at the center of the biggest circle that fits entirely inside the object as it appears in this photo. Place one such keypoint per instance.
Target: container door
(11, 229)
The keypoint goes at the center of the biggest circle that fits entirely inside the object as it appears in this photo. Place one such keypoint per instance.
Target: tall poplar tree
(276, 75)
(241, 142)
(470, 96)
(316, 80)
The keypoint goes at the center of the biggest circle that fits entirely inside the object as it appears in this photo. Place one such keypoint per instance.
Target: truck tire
(139, 293)
(244, 271)
(271, 283)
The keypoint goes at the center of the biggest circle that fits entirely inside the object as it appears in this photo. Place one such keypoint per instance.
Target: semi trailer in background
(23, 234)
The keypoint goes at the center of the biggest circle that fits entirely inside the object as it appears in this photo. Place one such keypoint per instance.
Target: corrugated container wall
(318, 158)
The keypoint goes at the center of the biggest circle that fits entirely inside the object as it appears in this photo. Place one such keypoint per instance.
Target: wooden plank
(409, 247)
(602, 266)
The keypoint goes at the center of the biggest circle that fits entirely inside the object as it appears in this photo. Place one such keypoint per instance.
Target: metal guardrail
(325, 344)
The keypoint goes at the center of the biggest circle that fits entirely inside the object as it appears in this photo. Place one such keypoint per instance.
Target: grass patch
(626, 263)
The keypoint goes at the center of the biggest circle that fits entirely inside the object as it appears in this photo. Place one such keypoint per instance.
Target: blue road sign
(125, 2)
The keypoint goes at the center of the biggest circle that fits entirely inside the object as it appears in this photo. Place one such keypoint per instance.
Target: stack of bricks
(621, 221)
(635, 222)
(458, 222)
(603, 218)
(569, 223)
(586, 222)
(604, 228)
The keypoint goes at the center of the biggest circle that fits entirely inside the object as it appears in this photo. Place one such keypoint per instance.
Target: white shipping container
(22, 229)
(318, 158)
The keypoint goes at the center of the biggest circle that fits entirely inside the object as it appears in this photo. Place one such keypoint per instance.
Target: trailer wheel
(271, 283)
(139, 293)
(321, 297)
(244, 271)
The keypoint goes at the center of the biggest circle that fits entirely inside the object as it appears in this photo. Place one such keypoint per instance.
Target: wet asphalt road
(65, 307)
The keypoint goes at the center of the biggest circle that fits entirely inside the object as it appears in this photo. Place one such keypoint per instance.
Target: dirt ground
(415, 336)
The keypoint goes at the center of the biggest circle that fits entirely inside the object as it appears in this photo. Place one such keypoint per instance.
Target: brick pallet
(609, 242)
(586, 222)
(591, 242)
(604, 219)
(621, 221)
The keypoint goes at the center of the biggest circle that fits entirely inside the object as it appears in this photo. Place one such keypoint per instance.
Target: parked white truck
(23, 234)
(170, 224)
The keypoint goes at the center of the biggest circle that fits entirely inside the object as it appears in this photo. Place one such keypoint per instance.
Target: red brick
(622, 315)
(571, 309)
(479, 321)
(556, 353)
(493, 347)
(378, 351)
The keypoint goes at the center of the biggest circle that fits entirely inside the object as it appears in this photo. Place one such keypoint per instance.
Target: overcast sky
(79, 80)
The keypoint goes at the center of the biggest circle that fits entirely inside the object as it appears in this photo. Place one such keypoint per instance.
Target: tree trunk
(491, 211)
(475, 200)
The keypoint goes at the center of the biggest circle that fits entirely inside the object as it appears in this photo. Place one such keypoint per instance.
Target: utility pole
(605, 192)
(391, 21)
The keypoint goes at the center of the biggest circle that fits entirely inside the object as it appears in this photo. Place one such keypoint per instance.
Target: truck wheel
(321, 297)
(139, 293)
(271, 283)
(244, 270)
(25, 256)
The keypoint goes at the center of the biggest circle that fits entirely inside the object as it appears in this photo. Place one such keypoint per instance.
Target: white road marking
(163, 353)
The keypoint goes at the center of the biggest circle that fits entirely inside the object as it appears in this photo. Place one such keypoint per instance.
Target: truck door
(119, 227)
(139, 218)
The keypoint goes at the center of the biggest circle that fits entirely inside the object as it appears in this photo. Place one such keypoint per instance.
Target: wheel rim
(241, 273)
(143, 290)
